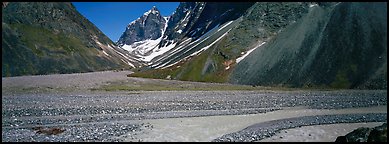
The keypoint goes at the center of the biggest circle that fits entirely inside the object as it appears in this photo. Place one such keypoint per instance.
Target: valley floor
(109, 106)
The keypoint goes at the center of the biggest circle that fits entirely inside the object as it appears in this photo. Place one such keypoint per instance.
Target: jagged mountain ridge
(189, 22)
(201, 17)
(51, 37)
(280, 44)
(203, 25)
(142, 36)
(149, 26)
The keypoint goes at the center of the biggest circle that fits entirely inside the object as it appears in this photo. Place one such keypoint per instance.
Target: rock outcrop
(363, 134)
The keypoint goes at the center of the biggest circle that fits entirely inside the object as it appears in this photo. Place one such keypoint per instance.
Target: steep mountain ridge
(142, 36)
(201, 28)
(180, 39)
(51, 37)
(149, 26)
(294, 44)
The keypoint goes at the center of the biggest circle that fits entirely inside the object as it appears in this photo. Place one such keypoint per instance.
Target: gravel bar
(66, 101)
(32, 109)
(98, 132)
(263, 130)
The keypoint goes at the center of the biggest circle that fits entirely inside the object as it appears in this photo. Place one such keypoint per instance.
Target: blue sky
(112, 18)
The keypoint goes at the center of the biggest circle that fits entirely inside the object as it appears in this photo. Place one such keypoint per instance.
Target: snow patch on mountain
(312, 5)
(185, 48)
(174, 51)
(225, 25)
(206, 47)
(186, 16)
(142, 47)
(248, 52)
(106, 54)
(166, 19)
(158, 52)
(163, 66)
(148, 49)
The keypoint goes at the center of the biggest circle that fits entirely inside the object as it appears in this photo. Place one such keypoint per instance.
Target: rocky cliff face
(150, 26)
(45, 38)
(142, 37)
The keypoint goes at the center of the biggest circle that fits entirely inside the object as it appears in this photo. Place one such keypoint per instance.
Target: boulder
(363, 134)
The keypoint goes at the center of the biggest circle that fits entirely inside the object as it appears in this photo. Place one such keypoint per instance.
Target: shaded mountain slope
(343, 46)
(45, 38)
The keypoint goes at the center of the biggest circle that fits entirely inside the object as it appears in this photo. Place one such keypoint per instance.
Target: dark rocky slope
(340, 46)
(50, 37)
(194, 19)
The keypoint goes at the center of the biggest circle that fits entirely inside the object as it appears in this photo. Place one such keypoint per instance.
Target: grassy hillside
(35, 50)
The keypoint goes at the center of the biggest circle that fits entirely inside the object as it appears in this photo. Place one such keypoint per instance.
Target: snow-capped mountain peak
(185, 33)
(142, 36)
(153, 11)
(147, 27)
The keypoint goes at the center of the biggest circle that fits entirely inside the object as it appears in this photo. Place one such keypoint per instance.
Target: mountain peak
(153, 10)
(150, 26)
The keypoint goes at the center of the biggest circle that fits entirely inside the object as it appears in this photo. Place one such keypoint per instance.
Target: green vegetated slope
(46, 38)
(330, 45)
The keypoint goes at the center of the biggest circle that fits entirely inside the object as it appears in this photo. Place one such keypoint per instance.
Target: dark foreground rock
(363, 134)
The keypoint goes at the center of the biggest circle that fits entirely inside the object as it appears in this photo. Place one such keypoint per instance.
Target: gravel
(28, 110)
(267, 129)
(122, 104)
(85, 114)
(73, 133)
(76, 80)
